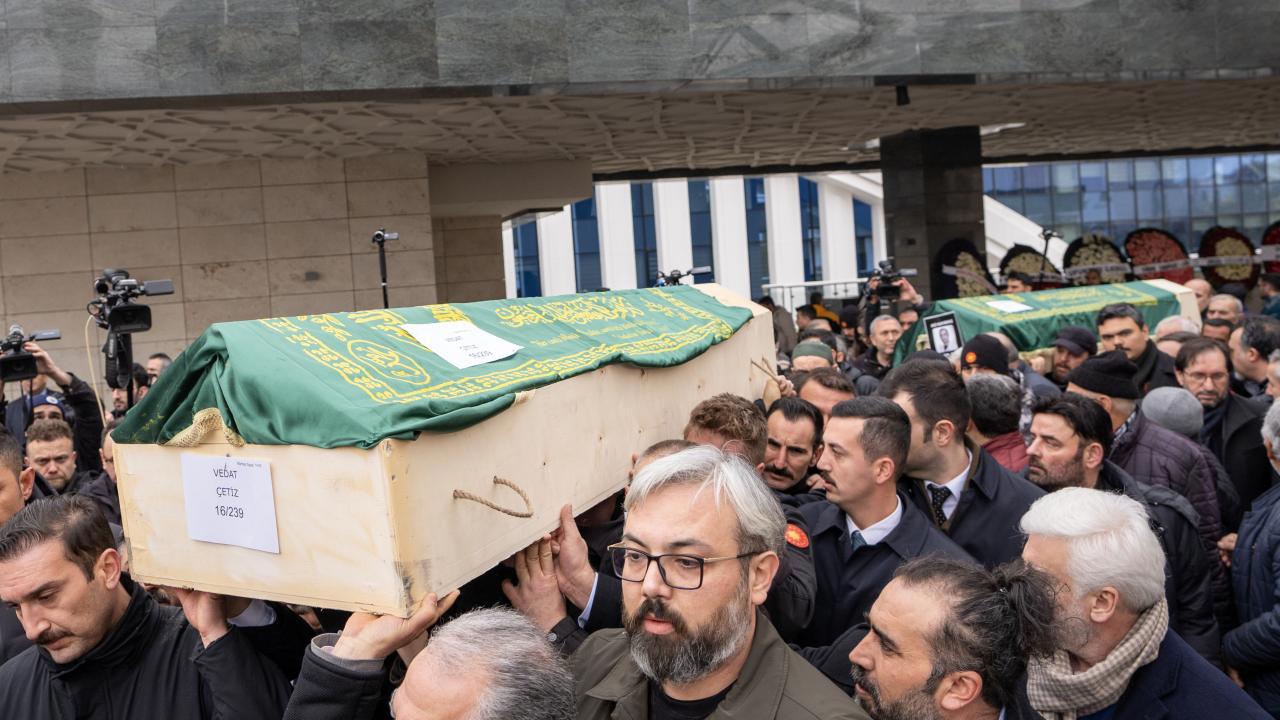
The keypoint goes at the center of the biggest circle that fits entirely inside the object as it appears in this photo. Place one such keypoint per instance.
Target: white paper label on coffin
(230, 501)
(460, 343)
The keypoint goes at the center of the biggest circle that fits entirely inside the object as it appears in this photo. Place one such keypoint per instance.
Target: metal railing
(793, 295)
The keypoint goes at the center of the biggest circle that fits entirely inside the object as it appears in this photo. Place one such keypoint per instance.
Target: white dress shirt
(956, 486)
(880, 530)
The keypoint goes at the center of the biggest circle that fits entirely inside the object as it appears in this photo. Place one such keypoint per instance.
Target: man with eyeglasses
(1232, 424)
(698, 554)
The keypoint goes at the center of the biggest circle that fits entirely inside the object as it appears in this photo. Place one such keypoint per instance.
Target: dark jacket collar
(128, 639)
(907, 539)
(1239, 411)
(1147, 363)
(756, 693)
(1114, 479)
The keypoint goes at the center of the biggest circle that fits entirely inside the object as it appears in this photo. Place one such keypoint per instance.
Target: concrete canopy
(682, 130)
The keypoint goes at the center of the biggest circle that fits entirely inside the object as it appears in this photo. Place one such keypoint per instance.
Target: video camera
(16, 363)
(888, 275)
(675, 276)
(115, 310)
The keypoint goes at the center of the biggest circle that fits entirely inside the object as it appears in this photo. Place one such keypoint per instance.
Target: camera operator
(897, 294)
(84, 416)
(120, 399)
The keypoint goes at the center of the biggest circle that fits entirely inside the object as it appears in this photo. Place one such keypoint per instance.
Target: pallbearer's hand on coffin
(207, 612)
(537, 593)
(573, 567)
(375, 637)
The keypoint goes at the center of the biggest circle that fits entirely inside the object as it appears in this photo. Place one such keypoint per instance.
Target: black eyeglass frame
(618, 557)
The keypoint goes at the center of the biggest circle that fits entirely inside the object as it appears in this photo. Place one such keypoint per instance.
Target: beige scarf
(1059, 694)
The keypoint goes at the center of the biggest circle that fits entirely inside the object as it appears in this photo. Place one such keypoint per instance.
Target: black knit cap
(1110, 374)
(985, 351)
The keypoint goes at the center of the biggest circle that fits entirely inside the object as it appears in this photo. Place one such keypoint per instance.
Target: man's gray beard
(682, 658)
(915, 705)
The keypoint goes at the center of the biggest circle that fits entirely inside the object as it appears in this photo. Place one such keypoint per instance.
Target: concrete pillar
(879, 243)
(671, 223)
(617, 236)
(782, 223)
(470, 258)
(729, 234)
(555, 254)
(839, 253)
(933, 194)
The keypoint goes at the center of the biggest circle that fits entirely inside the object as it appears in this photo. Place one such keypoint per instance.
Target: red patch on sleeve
(797, 537)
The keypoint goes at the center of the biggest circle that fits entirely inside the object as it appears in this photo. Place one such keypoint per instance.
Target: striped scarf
(1057, 693)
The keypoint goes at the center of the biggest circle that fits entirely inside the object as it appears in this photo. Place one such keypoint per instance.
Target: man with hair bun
(949, 639)
(1117, 656)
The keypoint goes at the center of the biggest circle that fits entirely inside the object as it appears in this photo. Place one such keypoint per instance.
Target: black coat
(1186, 571)
(152, 665)
(1177, 685)
(985, 522)
(13, 639)
(1242, 453)
(100, 488)
(1254, 647)
(848, 581)
(1155, 370)
(329, 690)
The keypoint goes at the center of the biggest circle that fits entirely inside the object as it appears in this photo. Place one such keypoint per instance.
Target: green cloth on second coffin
(354, 379)
(1051, 309)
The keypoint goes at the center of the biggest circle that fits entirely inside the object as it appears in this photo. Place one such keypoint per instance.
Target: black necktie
(938, 495)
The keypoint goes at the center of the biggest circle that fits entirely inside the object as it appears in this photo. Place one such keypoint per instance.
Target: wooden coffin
(376, 530)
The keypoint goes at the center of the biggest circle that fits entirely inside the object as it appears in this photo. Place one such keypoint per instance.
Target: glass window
(1176, 203)
(1120, 174)
(586, 245)
(810, 230)
(1198, 228)
(1146, 174)
(700, 229)
(1093, 177)
(1173, 171)
(1035, 178)
(1230, 221)
(1229, 199)
(1253, 197)
(1008, 179)
(1273, 197)
(1179, 228)
(1013, 201)
(646, 237)
(1200, 170)
(1068, 231)
(1119, 231)
(524, 237)
(1066, 208)
(757, 234)
(1066, 178)
(1122, 205)
(988, 180)
(1202, 202)
(1226, 169)
(1254, 227)
(1253, 168)
(1095, 207)
(1150, 207)
(1038, 208)
(863, 240)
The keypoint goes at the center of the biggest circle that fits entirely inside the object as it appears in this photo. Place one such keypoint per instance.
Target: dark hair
(807, 311)
(10, 453)
(1219, 323)
(997, 620)
(1120, 310)
(886, 429)
(73, 519)
(822, 335)
(140, 376)
(816, 298)
(736, 418)
(995, 402)
(1193, 349)
(1085, 416)
(795, 409)
(663, 448)
(1262, 333)
(1272, 279)
(936, 391)
(110, 425)
(829, 378)
(766, 301)
(1020, 277)
(1179, 337)
(849, 315)
(49, 430)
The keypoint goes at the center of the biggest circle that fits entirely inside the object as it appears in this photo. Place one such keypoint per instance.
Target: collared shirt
(880, 530)
(1120, 431)
(956, 486)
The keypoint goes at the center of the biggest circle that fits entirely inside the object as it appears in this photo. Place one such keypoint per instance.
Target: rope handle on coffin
(528, 513)
(202, 423)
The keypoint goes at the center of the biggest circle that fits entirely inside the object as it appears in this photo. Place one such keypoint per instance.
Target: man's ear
(1094, 455)
(27, 481)
(944, 432)
(763, 569)
(959, 690)
(111, 566)
(1105, 604)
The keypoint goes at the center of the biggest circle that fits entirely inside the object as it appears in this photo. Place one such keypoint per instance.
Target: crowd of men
(1088, 534)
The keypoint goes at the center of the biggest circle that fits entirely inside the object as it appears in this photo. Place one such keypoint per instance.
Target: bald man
(1203, 291)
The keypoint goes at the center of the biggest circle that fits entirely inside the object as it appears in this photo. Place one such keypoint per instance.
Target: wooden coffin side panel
(570, 442)
(336, 547)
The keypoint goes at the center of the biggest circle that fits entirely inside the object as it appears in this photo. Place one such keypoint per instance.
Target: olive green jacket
(775, 683)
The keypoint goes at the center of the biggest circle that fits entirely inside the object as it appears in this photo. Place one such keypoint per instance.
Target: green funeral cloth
(354, 379)
(1050, 309)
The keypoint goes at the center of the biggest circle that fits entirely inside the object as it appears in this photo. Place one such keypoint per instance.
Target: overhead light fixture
(872, 144)
(989, 130)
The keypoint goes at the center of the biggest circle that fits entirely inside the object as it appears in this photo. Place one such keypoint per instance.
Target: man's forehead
(904, 613)
(1050, 425)
(678, 513)
(793, 430)
(25, 572)
(49, 447)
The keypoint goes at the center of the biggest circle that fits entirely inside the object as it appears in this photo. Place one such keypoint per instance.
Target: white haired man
(1176, 324)
(1225, 307)
(1117, 658)
(698, 554)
